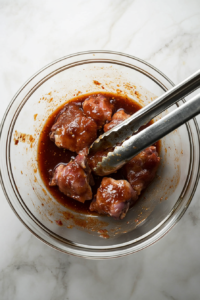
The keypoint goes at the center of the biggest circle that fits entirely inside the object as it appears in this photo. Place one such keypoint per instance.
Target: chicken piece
(97, 157)
(72, 129)
(98, 108)
(73, 179)
(141, 170)
(82, 160)
(113, 198)
(117, 118)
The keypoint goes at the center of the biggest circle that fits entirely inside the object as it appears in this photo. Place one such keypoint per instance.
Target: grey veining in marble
(33, 33)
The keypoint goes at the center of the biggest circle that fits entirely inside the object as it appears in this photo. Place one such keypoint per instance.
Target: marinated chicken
(117, 118)
(74, 179)
(82, 160)
(73, 130)
(114, 198)
(98, 108)
(94, 159)
(141, 170)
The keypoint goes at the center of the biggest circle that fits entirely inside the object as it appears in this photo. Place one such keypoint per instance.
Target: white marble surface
(33, 33)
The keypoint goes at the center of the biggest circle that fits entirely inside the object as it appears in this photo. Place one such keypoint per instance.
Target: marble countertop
(34, 33)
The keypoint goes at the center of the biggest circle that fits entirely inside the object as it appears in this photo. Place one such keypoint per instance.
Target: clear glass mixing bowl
(162, 204)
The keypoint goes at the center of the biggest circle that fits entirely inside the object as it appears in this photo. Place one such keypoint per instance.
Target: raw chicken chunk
(73, 130)
(114, 198)
(82, 160)
(98, 108)
(74, 179)
(97, 157)
(117, 118)
(141, 170)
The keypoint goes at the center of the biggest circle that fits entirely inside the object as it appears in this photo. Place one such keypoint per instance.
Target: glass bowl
(161, 205)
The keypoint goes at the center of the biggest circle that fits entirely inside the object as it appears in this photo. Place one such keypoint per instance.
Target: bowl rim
(152, 236)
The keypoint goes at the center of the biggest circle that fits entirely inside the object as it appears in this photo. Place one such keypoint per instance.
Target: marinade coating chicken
(98, 108)
(82, 160)
(141, 170)
(76, 129)
(73, 130)
(74, 179)
(117, 118)
(97, 157)
(114, 197)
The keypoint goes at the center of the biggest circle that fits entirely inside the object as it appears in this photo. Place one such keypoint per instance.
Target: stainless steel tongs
(133, 144)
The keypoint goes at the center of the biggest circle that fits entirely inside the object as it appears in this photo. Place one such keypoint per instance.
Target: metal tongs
(126, 132)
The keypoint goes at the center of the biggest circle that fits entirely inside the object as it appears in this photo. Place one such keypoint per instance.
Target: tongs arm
(126, 129)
